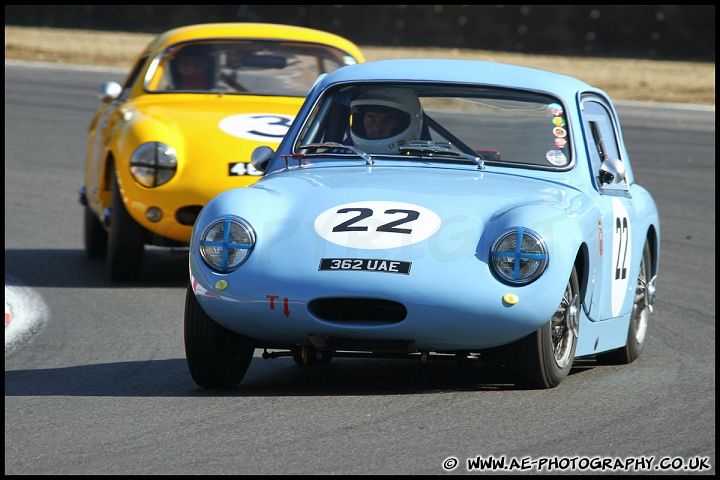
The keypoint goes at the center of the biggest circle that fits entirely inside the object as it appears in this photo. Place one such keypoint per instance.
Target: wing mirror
(612, 171)
(261, 157)
(109, 91)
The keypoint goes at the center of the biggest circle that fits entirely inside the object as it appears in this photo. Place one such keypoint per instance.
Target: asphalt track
(99, 385)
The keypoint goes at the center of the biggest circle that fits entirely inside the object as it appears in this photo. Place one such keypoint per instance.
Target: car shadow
(265, 378)
(163, 267)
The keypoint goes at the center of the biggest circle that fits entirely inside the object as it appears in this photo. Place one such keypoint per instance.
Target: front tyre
(95, 236)
(216, 357)
(642, 309)
(126, 240)
(544, 358)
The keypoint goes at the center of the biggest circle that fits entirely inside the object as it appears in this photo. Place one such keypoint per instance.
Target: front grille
(371, 311)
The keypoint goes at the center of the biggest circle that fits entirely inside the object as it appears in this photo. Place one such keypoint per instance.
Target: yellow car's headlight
(153, 164)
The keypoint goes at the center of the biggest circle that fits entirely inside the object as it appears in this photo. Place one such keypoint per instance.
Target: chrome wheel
(564, 326)
(639, 318)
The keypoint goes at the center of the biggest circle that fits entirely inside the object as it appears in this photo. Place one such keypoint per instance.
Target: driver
(193, 68)
(385, 119)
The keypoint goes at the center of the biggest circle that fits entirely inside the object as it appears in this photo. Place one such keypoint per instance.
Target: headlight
(519, 256)
(153, 164)
(227, 243)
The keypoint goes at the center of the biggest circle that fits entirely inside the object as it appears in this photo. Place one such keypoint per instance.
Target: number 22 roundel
(373, 225)
(621, 261)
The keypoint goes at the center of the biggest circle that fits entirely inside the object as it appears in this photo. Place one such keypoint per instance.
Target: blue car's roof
(463, 71)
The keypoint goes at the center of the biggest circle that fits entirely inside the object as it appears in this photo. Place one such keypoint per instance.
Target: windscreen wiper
(444, 150)
(334, 147)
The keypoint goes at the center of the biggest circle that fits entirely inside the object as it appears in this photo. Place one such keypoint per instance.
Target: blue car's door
(614, 285)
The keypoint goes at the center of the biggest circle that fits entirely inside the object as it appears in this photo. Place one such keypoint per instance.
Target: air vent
(367, 311)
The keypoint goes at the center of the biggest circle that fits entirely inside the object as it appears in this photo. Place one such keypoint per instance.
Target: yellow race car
(182, 127)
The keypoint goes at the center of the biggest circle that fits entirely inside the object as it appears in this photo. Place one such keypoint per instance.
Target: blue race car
(431, 209)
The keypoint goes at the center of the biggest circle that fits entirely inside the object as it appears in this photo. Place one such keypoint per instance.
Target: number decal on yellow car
(263, 127)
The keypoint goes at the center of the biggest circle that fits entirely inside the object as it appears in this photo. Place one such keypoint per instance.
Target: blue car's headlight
(227, 243)
(153, 164)
(519, 256)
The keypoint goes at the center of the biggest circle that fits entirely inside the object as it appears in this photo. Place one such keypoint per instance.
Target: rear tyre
(126, 240)
(216, 357)
(642, 309)
(96, 238)
(544, 358)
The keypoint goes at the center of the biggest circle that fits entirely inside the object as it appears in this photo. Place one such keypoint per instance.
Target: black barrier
(658, 32)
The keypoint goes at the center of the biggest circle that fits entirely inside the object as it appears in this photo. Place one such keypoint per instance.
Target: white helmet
(403, 103)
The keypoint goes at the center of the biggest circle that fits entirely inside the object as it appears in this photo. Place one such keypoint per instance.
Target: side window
(132, 77)
(599, 131)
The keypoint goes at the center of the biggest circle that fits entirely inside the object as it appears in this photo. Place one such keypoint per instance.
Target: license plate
(365, 265)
